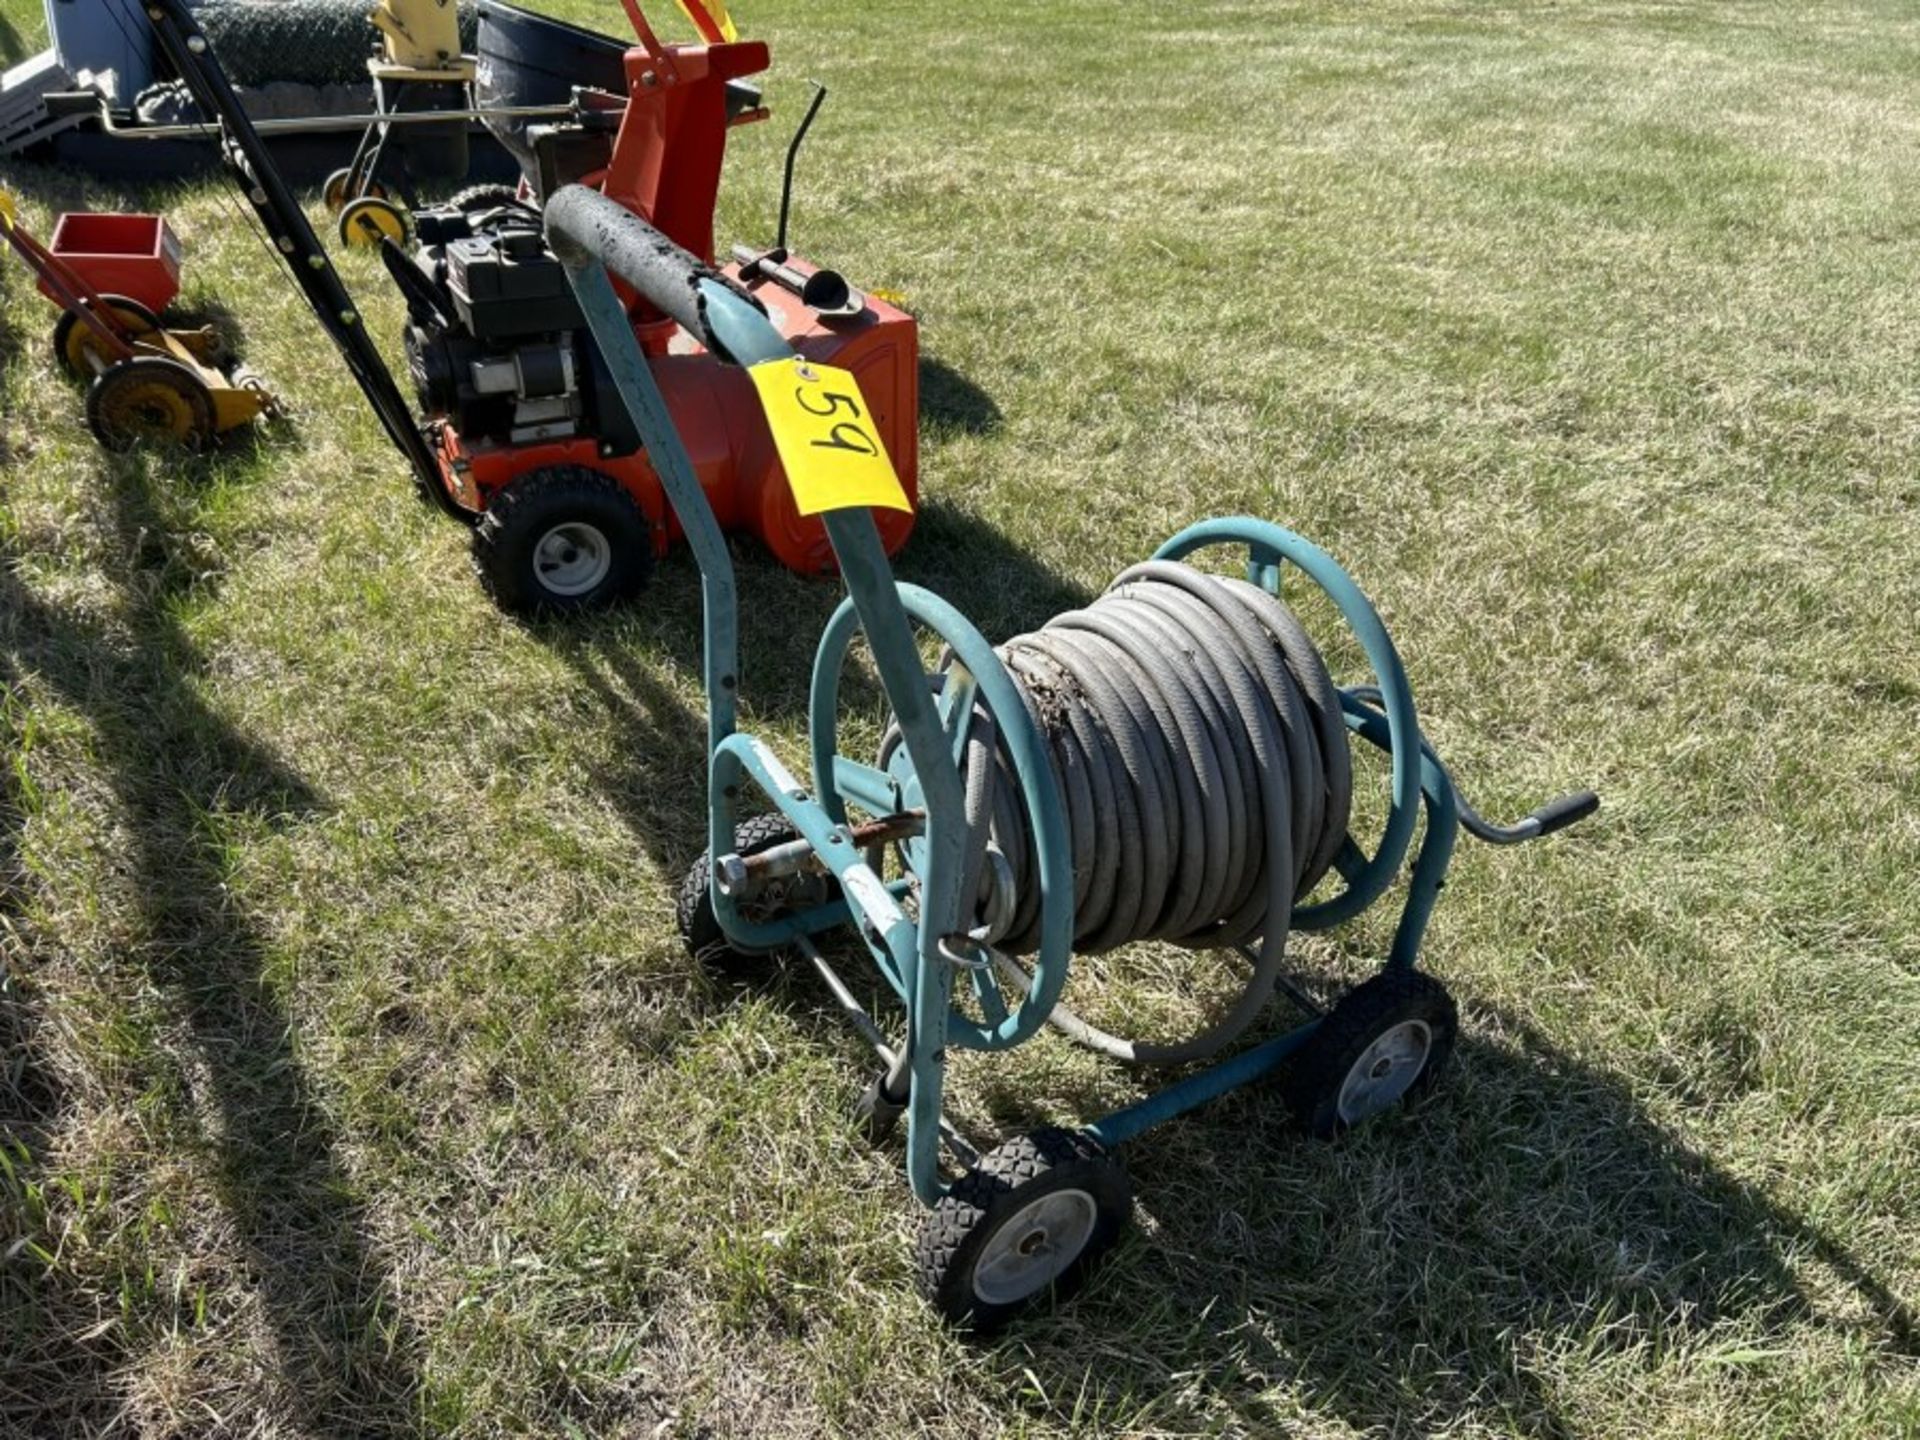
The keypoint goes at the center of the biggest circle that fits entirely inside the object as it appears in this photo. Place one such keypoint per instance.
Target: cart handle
(592, 234)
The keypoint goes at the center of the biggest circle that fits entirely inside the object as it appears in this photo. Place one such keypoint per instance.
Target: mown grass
(355, 1083)
(22, 31)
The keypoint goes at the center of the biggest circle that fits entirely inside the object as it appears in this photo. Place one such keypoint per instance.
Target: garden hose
(1198, 743)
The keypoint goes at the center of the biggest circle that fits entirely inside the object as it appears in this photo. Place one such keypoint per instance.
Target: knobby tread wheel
(700, 928)
(1384, 1044)
(1034, 1216)
(484, 197)
(561, 539)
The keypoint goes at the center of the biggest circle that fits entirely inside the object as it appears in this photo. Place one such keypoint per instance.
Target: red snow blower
(521, 431)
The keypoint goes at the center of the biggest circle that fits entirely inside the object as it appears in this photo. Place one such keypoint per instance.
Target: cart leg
(1435, 854)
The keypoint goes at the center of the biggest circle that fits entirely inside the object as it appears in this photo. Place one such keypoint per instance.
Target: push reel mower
(1170, 762)
(146, 383)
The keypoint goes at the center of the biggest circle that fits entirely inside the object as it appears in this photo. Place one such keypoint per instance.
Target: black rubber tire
(700, 930)
(485, 197)
(113, 387)
(1312, 1080)
(504, 541)
(68, 322)
(1007, 1180)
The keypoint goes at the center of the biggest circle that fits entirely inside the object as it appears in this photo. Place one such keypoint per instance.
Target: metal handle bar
(89, 104)
(592, 235)
(1557, 814)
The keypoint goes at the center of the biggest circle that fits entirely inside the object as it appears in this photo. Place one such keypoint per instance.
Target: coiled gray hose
(1198, 742)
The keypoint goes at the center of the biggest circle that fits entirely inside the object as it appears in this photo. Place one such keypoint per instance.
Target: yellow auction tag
(826, 438)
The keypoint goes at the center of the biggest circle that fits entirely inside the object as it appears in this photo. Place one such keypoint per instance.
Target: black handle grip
(1567, 810)
(584, 224)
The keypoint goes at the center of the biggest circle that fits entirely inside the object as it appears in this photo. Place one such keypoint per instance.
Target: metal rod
(1285, 986)
(793, 152)
(963, 1150)
(740, 874)
(328, 124)
(856, 1012)
(1199, 1088)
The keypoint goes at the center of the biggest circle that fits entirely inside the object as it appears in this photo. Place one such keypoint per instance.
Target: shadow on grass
(1437, 1268)
(58, 189)
(343, 1360)
(951, 403)
(12, 47)
(210, 310)
(12, 340)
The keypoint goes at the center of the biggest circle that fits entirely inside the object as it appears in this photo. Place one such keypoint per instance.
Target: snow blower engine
(527, 432)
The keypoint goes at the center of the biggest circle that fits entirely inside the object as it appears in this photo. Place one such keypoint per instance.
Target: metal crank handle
(1567, 810)
(1555, 815)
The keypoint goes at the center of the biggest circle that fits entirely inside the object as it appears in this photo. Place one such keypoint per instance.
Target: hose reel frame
(914, 939)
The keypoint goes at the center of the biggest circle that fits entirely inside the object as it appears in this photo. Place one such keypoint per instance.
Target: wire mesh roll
(1198, 743)
(308, 42)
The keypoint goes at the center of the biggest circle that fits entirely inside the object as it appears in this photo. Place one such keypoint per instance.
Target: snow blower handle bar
(583, 224)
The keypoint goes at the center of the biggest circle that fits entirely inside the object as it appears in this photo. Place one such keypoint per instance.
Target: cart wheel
(150, 399)
(366, 220)
(1034, 1216)
(476, 198)
(1383, 1045)
(334, 192)
(76, 347)
(700, 928)
(563, 538)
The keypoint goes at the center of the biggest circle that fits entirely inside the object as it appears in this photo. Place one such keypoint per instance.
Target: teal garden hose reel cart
(1169, 763)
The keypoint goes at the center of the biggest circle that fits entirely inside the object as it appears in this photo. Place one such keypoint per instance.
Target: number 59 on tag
(826, 438)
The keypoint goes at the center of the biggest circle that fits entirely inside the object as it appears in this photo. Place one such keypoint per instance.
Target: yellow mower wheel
(335, 194)
(148, 400)
(368, 220)
(78, 349)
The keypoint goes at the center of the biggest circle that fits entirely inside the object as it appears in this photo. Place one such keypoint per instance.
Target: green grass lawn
(23, 30)
(354, 1082)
